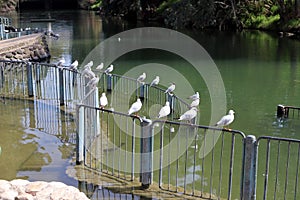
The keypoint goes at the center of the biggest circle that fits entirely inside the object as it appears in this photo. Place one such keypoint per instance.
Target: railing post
(249, 176)
(142, 91)
(170, 99)
(109, 81)
(146, 154)
(80, 134)
(61, 87)
(280, 111)
(29, 80)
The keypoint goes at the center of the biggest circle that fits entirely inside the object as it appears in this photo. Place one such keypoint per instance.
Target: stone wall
(25, 48)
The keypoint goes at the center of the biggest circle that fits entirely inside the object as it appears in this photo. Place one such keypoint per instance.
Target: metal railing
(206, 162)
(41, 81)
(288, 111)
(278, 168)
(180, 157)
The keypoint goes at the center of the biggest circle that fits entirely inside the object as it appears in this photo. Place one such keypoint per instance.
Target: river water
(259, 70)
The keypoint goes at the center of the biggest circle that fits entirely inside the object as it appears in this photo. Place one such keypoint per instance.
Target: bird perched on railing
(155, 81)
(100, 66)
(195, 103)
(74, 65)
(61, 62)
(194, 96)
(165, 110)
(226, 120)
(135, 107)
(93, 82)
(141, 78)
(170, 89)
(87, 71)
(109, 69)
(103, 100)
(189, 115)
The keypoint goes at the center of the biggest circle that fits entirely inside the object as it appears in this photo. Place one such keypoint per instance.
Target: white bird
(61, 62)
(88, 72)
(99, 67)
(135, 107)
(109, 69)
(189, 115)
(141, 78)
(195, 103)
(171, 88)
(226, 120)
(194, 96)
(103, 100)
(74, 65)
(155, 81)
(93, 82)
(165, 110)
(89, 64)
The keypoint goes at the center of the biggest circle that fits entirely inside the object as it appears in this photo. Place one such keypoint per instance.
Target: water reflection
(28, 147)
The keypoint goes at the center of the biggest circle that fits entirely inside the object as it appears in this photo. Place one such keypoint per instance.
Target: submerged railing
(288, 111)
(183, 158)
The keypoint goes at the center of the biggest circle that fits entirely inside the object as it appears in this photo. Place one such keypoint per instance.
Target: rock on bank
(39, 190)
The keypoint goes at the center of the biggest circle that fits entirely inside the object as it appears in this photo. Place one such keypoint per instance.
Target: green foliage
(293, 24)
(97, 4)
(166, 4)
(262, 21)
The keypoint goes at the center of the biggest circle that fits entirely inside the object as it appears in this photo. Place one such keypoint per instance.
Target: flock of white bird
(136, 106)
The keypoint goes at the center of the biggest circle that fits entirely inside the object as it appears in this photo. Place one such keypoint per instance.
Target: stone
(39, 190)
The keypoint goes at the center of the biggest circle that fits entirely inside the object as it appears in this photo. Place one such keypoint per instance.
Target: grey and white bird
(100, 66)
(194, 96)
(165, 110)
(74, 65)
(89, 64)
(109, 69)
(155, 81)
(135, 107)
(142, 77)
(171, 88)
(103, 100)
(87, 71)
(93, 82)
(195, 103)
(189, 115)
(226, 120)
(61, 62)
